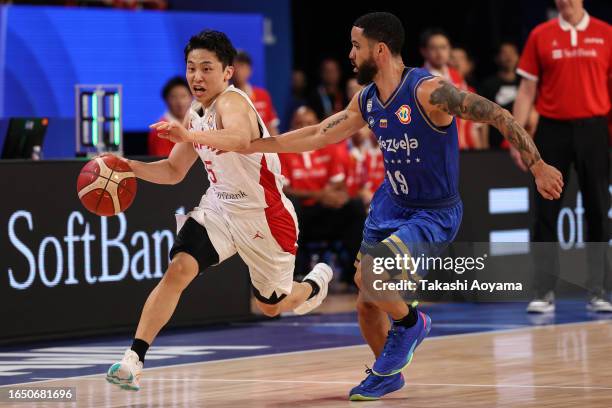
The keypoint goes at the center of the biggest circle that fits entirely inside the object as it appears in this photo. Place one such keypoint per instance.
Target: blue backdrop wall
(45, 51)
(277, 38)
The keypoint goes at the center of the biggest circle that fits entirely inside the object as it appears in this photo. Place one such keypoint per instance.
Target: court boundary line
(445, 337)
(261, 380)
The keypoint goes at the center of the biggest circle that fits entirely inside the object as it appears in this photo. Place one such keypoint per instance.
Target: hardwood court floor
(549, 366)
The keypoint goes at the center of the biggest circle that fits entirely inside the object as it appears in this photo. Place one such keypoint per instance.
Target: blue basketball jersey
(421, 159)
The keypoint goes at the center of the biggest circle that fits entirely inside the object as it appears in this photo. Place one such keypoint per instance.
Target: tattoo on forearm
(335, 123)
(467, 105)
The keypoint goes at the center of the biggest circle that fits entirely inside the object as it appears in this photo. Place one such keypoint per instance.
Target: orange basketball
(106, 185)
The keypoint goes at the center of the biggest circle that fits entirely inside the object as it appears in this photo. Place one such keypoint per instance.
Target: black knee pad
(272, 300)
(193, 239)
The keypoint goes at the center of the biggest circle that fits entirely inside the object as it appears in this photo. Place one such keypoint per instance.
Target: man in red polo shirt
(316, 183)
(243, 69)
(565, 69)
(314, 177)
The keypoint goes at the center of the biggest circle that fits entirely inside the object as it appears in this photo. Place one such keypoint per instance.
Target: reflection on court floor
(481, 354)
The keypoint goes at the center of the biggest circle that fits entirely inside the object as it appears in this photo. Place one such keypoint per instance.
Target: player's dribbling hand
(123, 159)
(548, 179)
(173, 131)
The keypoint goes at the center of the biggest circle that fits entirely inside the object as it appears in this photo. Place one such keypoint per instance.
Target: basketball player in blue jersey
(412, 114)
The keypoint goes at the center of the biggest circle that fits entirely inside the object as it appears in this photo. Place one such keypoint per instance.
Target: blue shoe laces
(370, 376)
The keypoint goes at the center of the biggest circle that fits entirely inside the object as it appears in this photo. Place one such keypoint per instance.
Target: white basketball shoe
(321, 274)
(599, 305)
(542, 305)
(126, 373)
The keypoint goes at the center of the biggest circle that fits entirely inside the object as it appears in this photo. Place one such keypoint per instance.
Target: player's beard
(366, 72)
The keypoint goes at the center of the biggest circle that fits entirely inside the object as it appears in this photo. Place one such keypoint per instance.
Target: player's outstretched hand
(549, 180)
(173, 131)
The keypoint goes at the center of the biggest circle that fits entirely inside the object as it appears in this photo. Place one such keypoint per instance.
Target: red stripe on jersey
(279, 220)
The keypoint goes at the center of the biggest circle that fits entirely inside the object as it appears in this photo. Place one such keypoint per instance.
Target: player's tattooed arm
(334, 129)
(335, 121)
(443, 100)
(470, 106)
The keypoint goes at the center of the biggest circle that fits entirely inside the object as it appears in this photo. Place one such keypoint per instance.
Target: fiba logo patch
(403, 114)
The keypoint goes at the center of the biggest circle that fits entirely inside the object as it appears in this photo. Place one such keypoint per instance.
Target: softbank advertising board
(64, 270)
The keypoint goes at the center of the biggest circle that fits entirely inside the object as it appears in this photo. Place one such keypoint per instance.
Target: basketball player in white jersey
(243, 211)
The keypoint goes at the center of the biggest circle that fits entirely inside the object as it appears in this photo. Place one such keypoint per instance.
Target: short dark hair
(173, 83)
(243, 57)
(383, 27)
(431, 32)
(329, 59)
(462, 47)
(214, 41)
(510, 43)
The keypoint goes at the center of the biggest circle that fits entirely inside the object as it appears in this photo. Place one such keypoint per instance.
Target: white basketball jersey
(238, 182)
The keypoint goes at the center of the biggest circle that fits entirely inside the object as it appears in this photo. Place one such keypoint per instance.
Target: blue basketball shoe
(400, 345)
(374, 386)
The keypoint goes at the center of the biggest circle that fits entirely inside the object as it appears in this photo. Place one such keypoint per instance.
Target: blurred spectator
(314, 177)
(461, 60)
(243, 69)
(298, 96)
(501, 88)
(356, 175)
(435, 49)
(464, 64)
(366, 166)
(177, 96)
(357, 153)
(375, 165)
(328, 97)
(298, 85)
(352, 87)
(367, 169)
(565, 69)
(315, 182)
